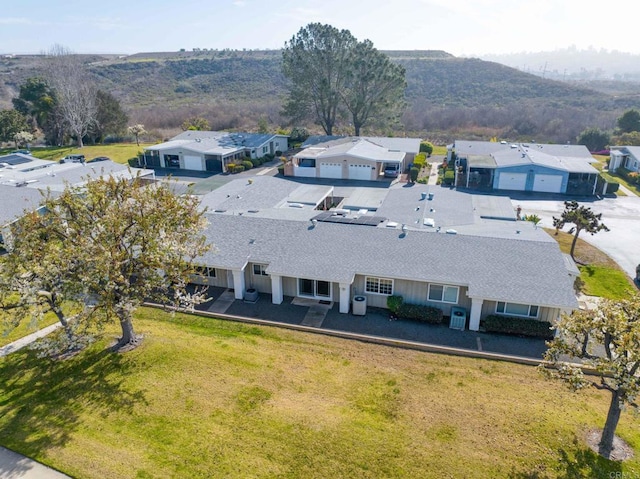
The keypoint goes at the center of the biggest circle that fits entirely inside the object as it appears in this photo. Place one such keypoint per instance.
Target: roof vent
(429, 222)
(451, 232)
(296, 205)
(392, 224)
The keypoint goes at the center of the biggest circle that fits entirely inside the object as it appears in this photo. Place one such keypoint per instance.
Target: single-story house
(353, 158)
(627, 157)
(437, 247)
(24, 179)
(524, 167)
(212, 150)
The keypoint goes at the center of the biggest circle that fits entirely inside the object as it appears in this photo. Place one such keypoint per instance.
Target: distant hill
(233, 89)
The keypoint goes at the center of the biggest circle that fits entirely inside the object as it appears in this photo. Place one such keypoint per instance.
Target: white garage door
(330, 170)
(548, 183)
(512, 181)
(193, 163)
(359, 172)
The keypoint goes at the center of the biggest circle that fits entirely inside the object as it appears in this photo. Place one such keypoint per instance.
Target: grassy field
(205, 398)
(23, 329)
(600, 275)
(118, 152)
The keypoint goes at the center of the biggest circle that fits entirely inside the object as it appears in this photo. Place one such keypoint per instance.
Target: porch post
(474, 315)
(345, 289)
(238, 283)
(595, 185)
(276, 289)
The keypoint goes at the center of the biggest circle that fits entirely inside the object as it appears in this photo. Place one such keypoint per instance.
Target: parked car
(73, 159)
(391, 170)
(99, 158)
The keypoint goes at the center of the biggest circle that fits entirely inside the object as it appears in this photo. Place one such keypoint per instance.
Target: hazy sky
(459, 27)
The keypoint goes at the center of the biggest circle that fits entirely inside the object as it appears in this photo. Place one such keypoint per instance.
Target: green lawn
(25, 328)
(605, 282)
(599, 274)
(204, 398)
(118, 152)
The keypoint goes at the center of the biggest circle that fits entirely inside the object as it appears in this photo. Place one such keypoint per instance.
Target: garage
(548, 183)
(330, 170)
(360, 172)
(192, 163)
(512, 181)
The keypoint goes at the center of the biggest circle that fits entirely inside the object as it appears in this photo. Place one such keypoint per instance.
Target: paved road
(16, 466)
(621, 215)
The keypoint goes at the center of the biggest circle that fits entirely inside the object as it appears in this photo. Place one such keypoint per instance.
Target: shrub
(236, 168)
(449, 177)
(281, 169)
(631, 176)
(424, 180)
(420, 160)
(426, 147)
(269, 156)
(496, 323)
(414, 174)
(612, 187)
(419, 312)
(393, 303)
(247, 164)
(256, 162)
(278, 153)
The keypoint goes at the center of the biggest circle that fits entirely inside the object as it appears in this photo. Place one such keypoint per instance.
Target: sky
(459, 27)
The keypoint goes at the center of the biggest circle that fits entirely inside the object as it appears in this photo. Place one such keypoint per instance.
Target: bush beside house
(495, 323)
(416, 312)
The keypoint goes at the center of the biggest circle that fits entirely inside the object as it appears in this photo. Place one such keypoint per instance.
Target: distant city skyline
(459, 27)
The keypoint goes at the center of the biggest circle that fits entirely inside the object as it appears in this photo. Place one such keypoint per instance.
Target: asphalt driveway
(620, 214)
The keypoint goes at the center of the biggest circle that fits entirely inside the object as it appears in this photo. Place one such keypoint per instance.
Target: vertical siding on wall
(289, 286)
(414, 292)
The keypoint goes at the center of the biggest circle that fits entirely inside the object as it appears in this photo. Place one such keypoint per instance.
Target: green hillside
(234, 88)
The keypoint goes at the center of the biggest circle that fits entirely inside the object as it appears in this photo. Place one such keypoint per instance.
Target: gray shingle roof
(407, 145)
(215, 142)
(486, 154)
(16, 200)
(531, 272)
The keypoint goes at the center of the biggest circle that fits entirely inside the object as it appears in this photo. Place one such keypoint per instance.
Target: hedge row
(521, 326)
(417, 312)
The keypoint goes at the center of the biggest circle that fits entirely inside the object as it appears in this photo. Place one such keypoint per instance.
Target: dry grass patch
(209, 398)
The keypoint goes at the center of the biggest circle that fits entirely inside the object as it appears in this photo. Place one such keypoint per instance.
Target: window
(379, 285)
(265, 149)
(205, 271)
(443, 293)
(515, 309)
(260, 270)
(314, 288)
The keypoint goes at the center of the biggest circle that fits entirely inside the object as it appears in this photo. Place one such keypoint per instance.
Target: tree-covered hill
(465, 92)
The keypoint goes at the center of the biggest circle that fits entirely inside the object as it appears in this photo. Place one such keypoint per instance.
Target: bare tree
(75, 92)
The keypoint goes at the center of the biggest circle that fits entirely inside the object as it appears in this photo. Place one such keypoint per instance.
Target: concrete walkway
(433, 176)
(17, 466)
(22, 342)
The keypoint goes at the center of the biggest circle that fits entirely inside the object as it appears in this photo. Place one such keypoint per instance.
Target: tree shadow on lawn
(41, 400)
(576, 463)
